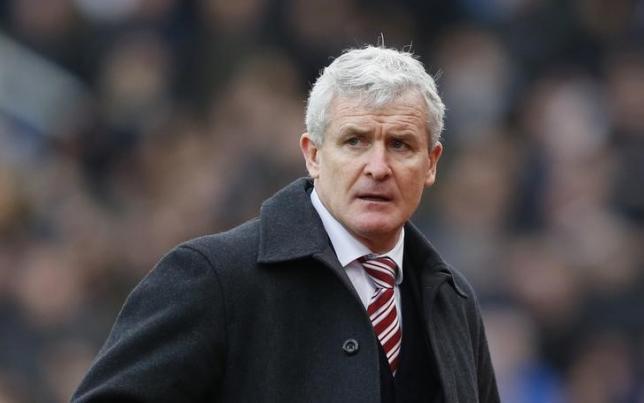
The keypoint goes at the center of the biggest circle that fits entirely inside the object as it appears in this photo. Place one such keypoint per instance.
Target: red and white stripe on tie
(382, 307)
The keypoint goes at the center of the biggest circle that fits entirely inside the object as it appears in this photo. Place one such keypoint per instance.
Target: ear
(310, 153)
(433, 155)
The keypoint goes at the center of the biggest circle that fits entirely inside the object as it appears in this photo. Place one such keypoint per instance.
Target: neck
(380, 244)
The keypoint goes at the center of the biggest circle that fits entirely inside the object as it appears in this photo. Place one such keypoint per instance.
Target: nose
(377, 165)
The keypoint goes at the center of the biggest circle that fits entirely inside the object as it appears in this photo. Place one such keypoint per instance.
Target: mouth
(375, 197)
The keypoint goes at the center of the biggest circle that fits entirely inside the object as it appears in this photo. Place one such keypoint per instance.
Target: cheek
(412, 197)
(414, 186)
(344, 172)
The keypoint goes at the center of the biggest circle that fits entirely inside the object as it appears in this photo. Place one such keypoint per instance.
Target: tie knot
(382, 270)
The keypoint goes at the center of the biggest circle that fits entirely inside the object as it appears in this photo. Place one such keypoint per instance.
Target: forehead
(407, 110)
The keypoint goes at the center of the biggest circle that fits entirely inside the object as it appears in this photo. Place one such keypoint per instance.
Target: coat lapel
(433, 275)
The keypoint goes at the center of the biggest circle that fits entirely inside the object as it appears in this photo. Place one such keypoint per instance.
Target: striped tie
(382, 308)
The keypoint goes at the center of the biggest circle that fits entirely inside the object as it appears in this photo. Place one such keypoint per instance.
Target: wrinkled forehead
(408, 106)
(376, 100)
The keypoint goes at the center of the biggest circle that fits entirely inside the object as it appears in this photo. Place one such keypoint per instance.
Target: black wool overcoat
(265, 313)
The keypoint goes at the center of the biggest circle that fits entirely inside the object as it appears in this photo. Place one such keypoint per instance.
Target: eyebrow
(403, 134)
(350, 128)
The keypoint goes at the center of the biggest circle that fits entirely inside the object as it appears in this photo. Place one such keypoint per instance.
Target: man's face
(371, 170)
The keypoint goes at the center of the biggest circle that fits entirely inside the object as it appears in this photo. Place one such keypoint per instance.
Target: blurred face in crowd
(372, 167)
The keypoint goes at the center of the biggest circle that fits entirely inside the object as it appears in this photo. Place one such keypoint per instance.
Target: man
(330, 295)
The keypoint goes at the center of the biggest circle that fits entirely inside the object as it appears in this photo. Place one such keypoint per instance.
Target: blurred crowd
(128, 126)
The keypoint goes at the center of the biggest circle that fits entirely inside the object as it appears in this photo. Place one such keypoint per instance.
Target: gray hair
(378, 76)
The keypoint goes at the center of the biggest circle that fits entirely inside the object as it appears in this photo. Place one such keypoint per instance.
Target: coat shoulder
(228, 248)
(462, 283)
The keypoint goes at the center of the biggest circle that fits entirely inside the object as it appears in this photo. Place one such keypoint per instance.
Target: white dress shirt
(348, 249)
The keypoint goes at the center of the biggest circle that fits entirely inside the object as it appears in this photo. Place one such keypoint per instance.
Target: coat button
(350, 346)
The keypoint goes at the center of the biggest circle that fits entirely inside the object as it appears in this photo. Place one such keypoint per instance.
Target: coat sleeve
(485, 378)
(167, 344)
(488, 392)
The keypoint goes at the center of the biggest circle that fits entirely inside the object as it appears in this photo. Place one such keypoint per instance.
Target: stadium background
(127, 126)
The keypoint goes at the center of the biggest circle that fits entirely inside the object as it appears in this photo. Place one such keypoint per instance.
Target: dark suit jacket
(265, 313)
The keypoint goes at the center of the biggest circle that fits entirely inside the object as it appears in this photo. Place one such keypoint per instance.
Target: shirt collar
(347, 247)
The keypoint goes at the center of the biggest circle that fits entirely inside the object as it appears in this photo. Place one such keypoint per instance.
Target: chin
(375, 229)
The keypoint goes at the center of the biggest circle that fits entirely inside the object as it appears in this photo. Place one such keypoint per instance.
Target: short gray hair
(378, 76)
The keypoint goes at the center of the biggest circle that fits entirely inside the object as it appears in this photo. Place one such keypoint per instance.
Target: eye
(353, 141)
(398, 144)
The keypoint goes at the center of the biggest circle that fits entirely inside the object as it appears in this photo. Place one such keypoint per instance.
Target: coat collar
(422, 253)
(291, 229)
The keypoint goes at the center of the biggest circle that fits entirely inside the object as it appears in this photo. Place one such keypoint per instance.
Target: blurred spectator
(523, 375)
(626, 94)
(260, 117)
(477, 78)
(602, 371)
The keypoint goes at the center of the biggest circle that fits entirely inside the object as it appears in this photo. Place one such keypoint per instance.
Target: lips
(375, 197)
